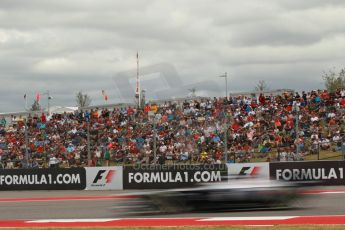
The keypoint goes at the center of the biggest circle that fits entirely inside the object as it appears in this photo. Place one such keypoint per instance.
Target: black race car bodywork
(234, 194)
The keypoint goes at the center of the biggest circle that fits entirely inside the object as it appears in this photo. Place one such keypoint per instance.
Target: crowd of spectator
(190, 131)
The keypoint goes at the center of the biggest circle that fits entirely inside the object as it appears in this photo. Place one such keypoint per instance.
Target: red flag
(106, 97)
(38, 97)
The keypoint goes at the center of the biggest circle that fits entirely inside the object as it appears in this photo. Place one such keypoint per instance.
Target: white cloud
(54, 65)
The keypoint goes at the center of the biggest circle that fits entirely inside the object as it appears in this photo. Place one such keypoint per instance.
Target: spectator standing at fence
(98, 157)
(283, 155)
(33, 164)
(53, 161)
(9, 164)
(106, 156)
(337, 140)
(147, 155)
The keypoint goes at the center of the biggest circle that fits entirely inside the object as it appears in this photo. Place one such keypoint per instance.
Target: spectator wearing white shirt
(53, 162)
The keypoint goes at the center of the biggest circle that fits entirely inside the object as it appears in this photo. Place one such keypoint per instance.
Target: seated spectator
(315, 146)
(184, 156)
(325, 144)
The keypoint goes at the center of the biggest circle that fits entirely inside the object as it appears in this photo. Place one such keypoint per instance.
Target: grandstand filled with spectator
(193, 131)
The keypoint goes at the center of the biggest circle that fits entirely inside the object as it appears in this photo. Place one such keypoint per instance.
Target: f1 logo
(255, 170)
(108, 177)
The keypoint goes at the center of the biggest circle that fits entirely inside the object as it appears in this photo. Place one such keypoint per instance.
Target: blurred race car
(230, 195)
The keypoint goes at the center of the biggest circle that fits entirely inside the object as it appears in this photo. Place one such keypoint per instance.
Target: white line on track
(71, 220)
(248, 218)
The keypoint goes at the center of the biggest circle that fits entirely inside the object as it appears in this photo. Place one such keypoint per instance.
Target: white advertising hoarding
(104, 178)
(238, 170)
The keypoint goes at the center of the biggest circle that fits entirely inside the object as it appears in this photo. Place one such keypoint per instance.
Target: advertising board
(323, 172)
(246, 170)
(104, 178)
(43, 179)
(171, 176)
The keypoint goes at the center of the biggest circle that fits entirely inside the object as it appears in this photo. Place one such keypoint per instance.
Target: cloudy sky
(66, 46)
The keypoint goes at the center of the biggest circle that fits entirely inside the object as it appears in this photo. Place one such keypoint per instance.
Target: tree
(261, 86)
(334, 81)
(35, 106)
(82, 100)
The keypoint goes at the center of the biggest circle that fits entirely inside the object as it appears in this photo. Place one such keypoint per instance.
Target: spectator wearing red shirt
(43, 118)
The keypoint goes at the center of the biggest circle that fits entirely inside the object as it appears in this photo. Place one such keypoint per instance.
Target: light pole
(154, 119)
(49, 98)
(226, 83)
(142, 98)
(226, 119)
(226, 138)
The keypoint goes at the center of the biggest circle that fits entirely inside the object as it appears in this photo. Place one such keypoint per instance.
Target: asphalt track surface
(100, 204)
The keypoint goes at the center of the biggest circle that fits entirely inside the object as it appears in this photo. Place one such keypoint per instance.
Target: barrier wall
(168, 176)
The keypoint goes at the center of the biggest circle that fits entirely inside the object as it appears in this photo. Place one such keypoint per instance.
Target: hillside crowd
(190, 131)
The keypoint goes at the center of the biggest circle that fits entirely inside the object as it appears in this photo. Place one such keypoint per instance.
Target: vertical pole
(226, 84)
(88, 144)
(226, 120)
(154, 140)
(26, 102)
(230, 124)
(26, 141)
(297, 130)
(226, 138)
(48, 103)
(343, 148)
(278, 156)
(137, 91)
(44, 142)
